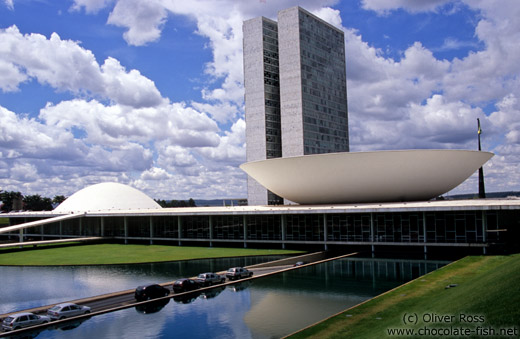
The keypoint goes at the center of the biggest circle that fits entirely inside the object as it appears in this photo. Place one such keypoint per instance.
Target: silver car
(66, 310)
(21, 320)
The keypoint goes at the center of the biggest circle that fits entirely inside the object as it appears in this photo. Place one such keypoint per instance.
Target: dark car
(152, 291)
(185, 285)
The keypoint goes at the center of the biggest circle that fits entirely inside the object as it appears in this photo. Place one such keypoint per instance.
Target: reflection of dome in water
(106, 196)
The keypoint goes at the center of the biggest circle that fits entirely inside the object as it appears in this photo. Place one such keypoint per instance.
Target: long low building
(470, 226)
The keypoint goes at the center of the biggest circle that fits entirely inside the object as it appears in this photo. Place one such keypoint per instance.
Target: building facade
(465, 226)
(295, 90)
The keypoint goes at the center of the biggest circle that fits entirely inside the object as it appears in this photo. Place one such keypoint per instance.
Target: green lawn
(487, 295)
(122, 254)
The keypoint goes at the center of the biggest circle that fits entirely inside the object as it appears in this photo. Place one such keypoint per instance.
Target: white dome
(106, 196)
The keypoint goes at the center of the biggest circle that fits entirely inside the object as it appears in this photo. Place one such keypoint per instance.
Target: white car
(66, 310)
(21, 320)
(208, 279)
(238, 273)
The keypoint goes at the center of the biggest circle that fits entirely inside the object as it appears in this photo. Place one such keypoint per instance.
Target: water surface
(269, 307)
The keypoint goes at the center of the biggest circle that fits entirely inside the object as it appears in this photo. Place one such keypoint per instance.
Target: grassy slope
(121, 254)
(487, 286)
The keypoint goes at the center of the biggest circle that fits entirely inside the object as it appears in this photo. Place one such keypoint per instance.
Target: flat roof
(388, 207)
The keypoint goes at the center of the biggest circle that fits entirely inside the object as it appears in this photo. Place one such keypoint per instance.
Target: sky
(150, 93)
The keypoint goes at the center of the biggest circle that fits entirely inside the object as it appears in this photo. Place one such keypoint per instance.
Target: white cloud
(122, 129)
(221, 112)
(507, 119)
(24, 137)
(384, 6)
(24, 172)
(9, 4)
(11, 76)
(144, 20)
(91, 6)
(117, 124)
(66, 66)
(155, 173)
(231, 148)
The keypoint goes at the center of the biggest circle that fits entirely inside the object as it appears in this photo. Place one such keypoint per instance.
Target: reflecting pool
(27, 287)
(269, 307)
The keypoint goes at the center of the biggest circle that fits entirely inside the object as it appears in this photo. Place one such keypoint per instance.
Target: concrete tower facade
(295, 90)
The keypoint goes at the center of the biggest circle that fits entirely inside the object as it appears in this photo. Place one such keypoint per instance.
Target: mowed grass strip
(104, 254)
(488, 289)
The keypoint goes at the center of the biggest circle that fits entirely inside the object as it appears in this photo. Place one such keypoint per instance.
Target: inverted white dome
(353, 177)
(106, 196)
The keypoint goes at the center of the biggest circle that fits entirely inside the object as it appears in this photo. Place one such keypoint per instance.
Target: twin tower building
(295, 91)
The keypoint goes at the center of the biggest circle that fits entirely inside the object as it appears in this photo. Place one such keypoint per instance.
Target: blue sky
(150, 93)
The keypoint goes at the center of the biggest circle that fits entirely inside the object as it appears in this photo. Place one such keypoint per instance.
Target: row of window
(439, 227)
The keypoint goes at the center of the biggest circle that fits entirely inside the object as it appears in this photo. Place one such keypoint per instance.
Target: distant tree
(58, 199)
(11, 200)
(176, 203)
(161, 203)
(37, 203)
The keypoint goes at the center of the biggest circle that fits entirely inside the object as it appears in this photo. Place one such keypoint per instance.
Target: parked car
(66, 310)
(24, 319)
(208, 279)
(238, 273)
(151, 291)
(185, 285)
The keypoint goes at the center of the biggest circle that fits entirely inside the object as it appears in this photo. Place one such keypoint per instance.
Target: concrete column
(102, 227)
(284, 228)
(61, 230)
(151, 230)
(244, 221)
(210, 231)
(484, 231)
(372, 233)
(126, 229)
(81, 226)
(424, 234)
(179, 229)
(20, 234)
(326, 247)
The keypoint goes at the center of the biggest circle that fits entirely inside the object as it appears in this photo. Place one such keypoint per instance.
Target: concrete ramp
(39, 222)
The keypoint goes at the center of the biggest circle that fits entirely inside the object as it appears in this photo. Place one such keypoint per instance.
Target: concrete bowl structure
(357, 177)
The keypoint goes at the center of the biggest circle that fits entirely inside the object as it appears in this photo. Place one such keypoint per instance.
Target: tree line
(16, 201)
(176, 203)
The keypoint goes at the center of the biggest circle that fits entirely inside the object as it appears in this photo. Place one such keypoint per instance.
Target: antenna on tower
(481, 188)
